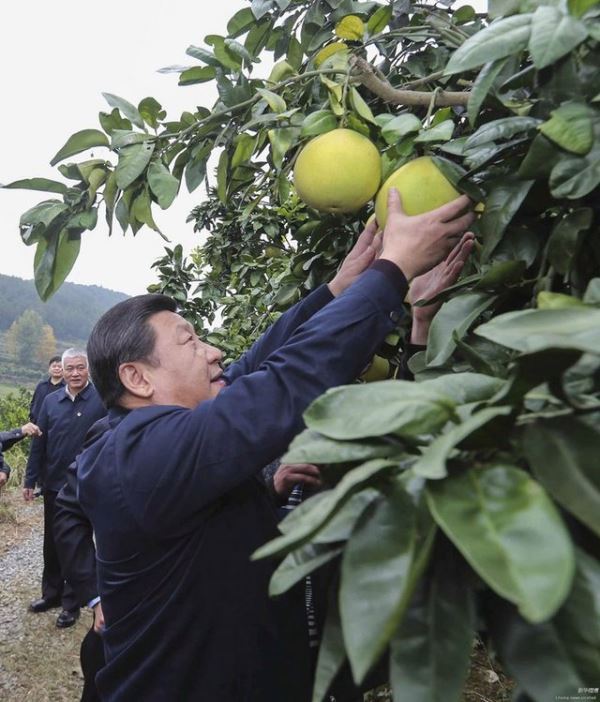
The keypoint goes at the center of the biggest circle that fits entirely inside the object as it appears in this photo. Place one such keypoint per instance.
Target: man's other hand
(3, 479)
(362, 255)
(288, 475)
(430, 284)
(28, 494)
(98, 618)
(417, 244)
(31, 429)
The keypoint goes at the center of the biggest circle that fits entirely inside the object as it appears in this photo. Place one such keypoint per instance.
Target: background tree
(470, 498)
(46, 347)
(25, 336)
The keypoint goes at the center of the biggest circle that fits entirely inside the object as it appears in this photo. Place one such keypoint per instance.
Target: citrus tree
(468, 500)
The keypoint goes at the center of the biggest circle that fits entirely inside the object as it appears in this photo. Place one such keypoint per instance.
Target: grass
(7, 389)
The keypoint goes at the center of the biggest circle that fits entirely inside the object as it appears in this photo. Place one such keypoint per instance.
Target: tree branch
(365, 74)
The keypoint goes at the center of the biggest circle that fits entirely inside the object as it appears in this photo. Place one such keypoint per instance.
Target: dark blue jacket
(177, 510)
(7, 439)
(64, 424)
(42, 390)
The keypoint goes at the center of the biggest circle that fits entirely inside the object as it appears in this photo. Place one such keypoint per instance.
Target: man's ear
(136, 379)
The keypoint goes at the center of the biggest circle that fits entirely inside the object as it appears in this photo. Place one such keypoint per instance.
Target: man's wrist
(420, 331)
(92, 603)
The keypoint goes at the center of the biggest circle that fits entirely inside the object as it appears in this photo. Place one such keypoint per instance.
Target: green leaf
(360, 106)
(563, 454)
(195, 168)
(398, 127)
(341, 526)
(318, 514)
(151, 111)
(203, 55)
(465, 388)
(132, 163)
(565, 239)
(43, 184)
(440, 132)
(78, 142)
(482, 86)
(295, 53)
(375, 587)
(540, 159)
(141, 209)
(432, 463)
(311, 447)
(162, 183)
(553, 34)
(318, 122)
(298, 564)
(454, 317)
(398, 407)
(127, 109)
(241, 22)
(533, 654)
(570, 126)
(578, 621)
(430, 652)
(282, 141)
(261, 7)
(379, 20)
(575, 176)
(122, 214)
(54, 261)
(244, 148)
(113, 120)
(511, 534)
(331, 652)
(83, 220)
(504, 128)
(501, 205)
(580, 7)
(198, 74)
(504, 37)
(222, 170)
(274, 101)
(530, 331)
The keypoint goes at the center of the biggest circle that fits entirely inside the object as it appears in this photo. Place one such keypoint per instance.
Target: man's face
(188, 371)
(76, 373)
(56, 370)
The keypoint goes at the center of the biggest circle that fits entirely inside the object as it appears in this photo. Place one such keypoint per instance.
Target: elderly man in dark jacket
(64, 419)
(172, 490)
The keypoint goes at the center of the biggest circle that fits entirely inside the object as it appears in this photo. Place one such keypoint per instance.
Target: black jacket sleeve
(73, 533)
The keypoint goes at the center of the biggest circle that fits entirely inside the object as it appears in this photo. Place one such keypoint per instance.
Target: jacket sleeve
(191, 458)
(279, 332)
(34, 407)
(10, 438)
(73, 536)
(37, 453)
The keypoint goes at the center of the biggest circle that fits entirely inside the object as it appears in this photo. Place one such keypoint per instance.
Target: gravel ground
(38, 662)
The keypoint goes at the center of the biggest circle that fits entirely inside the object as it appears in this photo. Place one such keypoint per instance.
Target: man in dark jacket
(8, 439)
(53, 382)
(171, 488)
(64, 420)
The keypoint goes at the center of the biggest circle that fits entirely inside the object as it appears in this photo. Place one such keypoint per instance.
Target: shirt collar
(81, 392)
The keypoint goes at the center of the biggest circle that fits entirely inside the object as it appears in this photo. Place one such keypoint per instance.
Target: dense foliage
(469, 499)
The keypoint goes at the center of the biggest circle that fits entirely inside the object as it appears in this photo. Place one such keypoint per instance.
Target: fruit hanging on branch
(338, 172)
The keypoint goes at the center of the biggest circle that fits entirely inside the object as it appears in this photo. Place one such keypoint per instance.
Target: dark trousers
(54, 586)
(92, 660)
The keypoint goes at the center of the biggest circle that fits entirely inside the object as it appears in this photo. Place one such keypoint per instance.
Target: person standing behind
(53, 382)
(64, 419)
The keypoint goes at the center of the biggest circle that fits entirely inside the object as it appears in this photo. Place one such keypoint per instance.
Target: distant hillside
(71, 312)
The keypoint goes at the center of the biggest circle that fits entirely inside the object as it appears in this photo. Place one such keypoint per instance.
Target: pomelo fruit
(338, 171)
(378, 369)
(422, 188)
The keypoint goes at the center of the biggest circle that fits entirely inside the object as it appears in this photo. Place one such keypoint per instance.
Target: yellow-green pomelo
(378, 369)
(338, 171)
(557, 301)
(422, 188)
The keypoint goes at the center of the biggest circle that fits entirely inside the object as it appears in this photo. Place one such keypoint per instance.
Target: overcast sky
(57, 58)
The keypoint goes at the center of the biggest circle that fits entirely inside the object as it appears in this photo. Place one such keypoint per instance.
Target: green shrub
(14, 412)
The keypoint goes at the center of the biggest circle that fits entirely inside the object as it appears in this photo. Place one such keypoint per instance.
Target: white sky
(57, 58)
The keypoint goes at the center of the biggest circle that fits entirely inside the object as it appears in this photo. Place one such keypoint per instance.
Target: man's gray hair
(74, 352)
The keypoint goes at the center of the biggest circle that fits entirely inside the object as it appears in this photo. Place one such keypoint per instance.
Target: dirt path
(38, 662)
